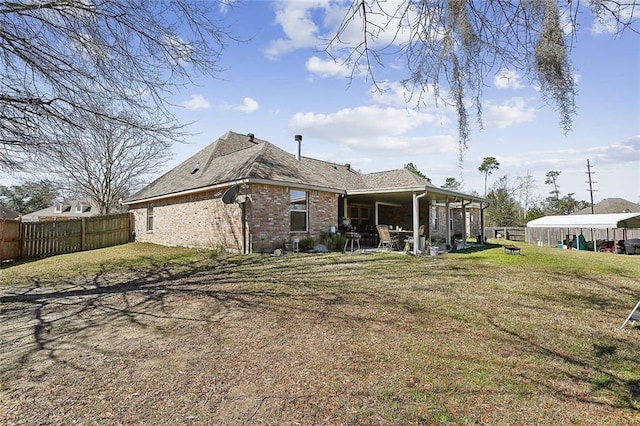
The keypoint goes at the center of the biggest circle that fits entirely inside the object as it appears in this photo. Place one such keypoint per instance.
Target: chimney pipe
(298, 139)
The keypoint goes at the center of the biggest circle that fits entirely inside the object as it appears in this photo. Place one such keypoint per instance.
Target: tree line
(513, 202)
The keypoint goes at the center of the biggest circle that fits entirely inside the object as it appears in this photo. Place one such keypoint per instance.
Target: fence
(9, 239)
(508, 233)
(42, 239)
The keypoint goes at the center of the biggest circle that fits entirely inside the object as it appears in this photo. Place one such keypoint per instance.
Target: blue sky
(280, 83)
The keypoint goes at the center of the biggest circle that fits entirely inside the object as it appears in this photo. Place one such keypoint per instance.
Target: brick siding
(203, 220)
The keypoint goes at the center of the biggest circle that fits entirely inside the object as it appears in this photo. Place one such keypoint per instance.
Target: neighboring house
(611, 205)
(7, 213)
(247, 195)
(63, 211)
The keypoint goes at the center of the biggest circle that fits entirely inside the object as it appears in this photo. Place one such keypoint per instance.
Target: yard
(141, 334)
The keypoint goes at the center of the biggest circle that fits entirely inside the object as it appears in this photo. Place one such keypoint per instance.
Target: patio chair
(408, 242)
(386, 241)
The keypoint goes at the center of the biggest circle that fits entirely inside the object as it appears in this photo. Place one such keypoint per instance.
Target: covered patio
(446, 215)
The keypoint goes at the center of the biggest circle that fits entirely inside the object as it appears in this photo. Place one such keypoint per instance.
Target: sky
(278, 82)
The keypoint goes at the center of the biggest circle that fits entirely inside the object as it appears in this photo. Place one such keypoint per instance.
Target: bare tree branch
(59, 57)
(451, 46)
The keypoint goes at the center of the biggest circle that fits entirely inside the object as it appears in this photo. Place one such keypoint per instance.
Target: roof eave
(428, 189)
(235, 182)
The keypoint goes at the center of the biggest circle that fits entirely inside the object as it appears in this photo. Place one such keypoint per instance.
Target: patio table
(403, 235)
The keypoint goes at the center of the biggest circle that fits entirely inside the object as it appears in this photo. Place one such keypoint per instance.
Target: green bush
(334, 242)
(307, 244)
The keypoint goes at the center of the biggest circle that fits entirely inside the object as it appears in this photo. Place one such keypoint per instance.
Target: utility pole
(590, 182)
(591, 190)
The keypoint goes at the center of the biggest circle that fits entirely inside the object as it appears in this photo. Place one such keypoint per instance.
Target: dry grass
(181, 337)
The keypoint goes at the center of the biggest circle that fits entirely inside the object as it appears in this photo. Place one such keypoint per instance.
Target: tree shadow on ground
(39, 319)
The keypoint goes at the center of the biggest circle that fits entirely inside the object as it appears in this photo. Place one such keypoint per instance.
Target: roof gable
(235, 157)
(611, 205)
(7, 213)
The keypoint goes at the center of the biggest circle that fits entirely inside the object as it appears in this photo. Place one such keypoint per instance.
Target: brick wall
(268, 216)
(203, 220)
(198, 220)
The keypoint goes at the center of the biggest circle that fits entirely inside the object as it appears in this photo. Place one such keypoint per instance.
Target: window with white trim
(435, 214)
(298, 208)
(149, 218)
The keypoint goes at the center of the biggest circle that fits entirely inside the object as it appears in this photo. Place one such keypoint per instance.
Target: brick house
(273, 197)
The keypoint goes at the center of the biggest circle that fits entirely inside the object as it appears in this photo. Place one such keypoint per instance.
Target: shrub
(307, 244)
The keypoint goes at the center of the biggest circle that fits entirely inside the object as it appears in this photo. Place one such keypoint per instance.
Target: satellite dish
(230, 195)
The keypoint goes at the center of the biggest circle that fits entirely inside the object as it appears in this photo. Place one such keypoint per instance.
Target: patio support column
(416, 220)
(464, 223)
(447, 210)
(482, 236)
(344, 207)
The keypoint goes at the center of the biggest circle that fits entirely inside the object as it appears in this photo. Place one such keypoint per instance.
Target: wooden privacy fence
(9, 239)
(42, 239)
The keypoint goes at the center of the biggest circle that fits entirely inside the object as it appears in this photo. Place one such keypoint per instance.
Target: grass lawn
(142, 334)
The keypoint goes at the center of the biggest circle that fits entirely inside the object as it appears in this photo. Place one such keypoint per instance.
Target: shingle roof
(235, 157)
(400, 178)
(7, 213)
(611, 205)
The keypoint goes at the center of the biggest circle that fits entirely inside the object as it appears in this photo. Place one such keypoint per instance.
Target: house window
(359, 216)
(150, 218)
(58, 208)
(79, 208)
(435, 213)
(299, 210)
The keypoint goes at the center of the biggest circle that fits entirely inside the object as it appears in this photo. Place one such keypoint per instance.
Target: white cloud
(510, 112)
(328, 68)
(372, 128)
(248, 105)
(605, 23)
(398, 95)
(616, 153)
(196, 102)
(507, 79)
(300, 30)
(312, 23)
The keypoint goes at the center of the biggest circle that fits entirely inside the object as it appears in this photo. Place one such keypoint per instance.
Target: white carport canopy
(596, 221)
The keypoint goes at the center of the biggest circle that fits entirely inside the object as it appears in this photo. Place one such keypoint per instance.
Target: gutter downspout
(447, 204)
